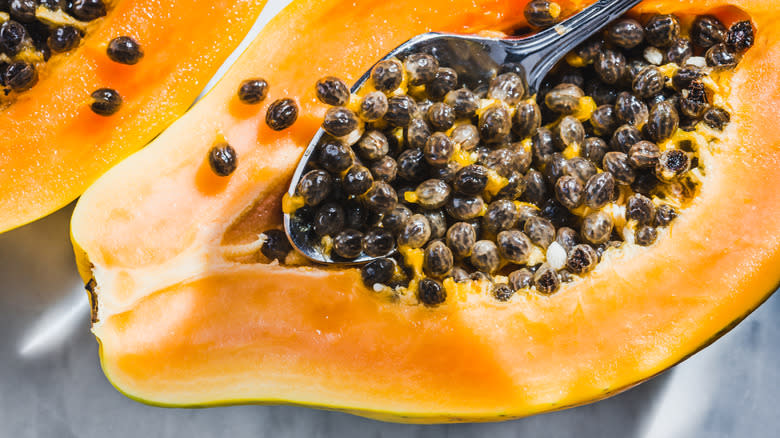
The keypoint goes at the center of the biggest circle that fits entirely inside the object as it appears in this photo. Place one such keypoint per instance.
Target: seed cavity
(454, 189)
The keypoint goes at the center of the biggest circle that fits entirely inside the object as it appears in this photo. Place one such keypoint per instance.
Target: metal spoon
(476, 60)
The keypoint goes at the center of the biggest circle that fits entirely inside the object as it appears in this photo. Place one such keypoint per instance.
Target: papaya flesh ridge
(182, 322)
(53, 146)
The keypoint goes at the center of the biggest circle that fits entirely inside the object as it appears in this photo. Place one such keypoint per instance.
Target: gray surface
(51, 384)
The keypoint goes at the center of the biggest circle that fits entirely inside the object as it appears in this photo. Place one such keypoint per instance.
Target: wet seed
(719, 57)
(357, 180)
(624, 137)
(671, 164)
(484, 256)
(630, 110)
(430, 292)
(387, 75)
(447, 172)
(463, 101)
(535, 188)
(626, 33)
(664, 215)
(223, 159)
(567, 238)
(569, 191)
(494, 124)
(540, 230)
(275, 246)
(610, 66)
(650, 81)
(373, 106)
(432, 193)
(514, 246)
(381, 197)
(437, 260)
(416, 232)
(618, 165)
(684, 76)
(281, 114)
(502, 292)
(694, 101)
(417, 133)
(446, 80)
(521, 279)
(466, 136)
(644, 154)
(373, 145)
(378, 271)
(707, 31)
(339, 121)
(253, 91)
(396, 219)
(438, 221)
(461, 238)
(603, 120)
(348, 244)
(400, 110)
(641, 209)
(716, 118)
(582, 259)
(412, 165)
(564, 98)
(527, 119)
(378, 242)
(503, 161)
(459, 275)
(663, 121)
(546, 279)
(332, 91)
(596, 227)
(679, 51)
(124, 50)
(13, 36)
(599, 190)
(465, 207)
(421, 68)
(662, 30)
(740, 36)
(329, 219)
(509, 87)
(594, 149)
(314, 187)
(441, 116)
(501, 215)
(569, 132)
(471, 180)
(514, 188)
(62, 39)
(334, 156)
(645, 235)
(105, 102)
(602, 94)
(542, 13)
(438, 149)
(580, 168)
(542, 147)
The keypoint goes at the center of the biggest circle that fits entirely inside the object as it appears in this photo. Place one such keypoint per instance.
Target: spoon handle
(539, 52)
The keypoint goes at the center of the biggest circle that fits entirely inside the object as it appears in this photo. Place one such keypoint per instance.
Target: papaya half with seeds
(53, 146)
(188, 312)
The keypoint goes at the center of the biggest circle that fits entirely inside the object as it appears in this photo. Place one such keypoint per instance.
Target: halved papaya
(53, 146)
(187, 314)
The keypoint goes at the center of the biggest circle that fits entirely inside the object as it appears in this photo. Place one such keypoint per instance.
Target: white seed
(653, 55)
(379, 287)
(697, 61)
(556, 256)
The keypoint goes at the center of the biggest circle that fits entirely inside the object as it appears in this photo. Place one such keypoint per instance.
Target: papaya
(189, 308)
(55, 55)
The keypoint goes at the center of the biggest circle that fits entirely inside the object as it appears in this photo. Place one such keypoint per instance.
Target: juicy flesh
(181, 324)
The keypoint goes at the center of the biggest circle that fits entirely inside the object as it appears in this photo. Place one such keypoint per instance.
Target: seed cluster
(31, 31)
(448, 185)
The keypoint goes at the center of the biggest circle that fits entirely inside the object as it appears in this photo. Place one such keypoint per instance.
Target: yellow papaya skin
(183, 320)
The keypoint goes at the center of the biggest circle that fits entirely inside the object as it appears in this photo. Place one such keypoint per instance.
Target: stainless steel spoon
(476, 60)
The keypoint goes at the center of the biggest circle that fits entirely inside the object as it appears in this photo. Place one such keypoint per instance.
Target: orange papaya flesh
(188, 315)
(53, 146)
